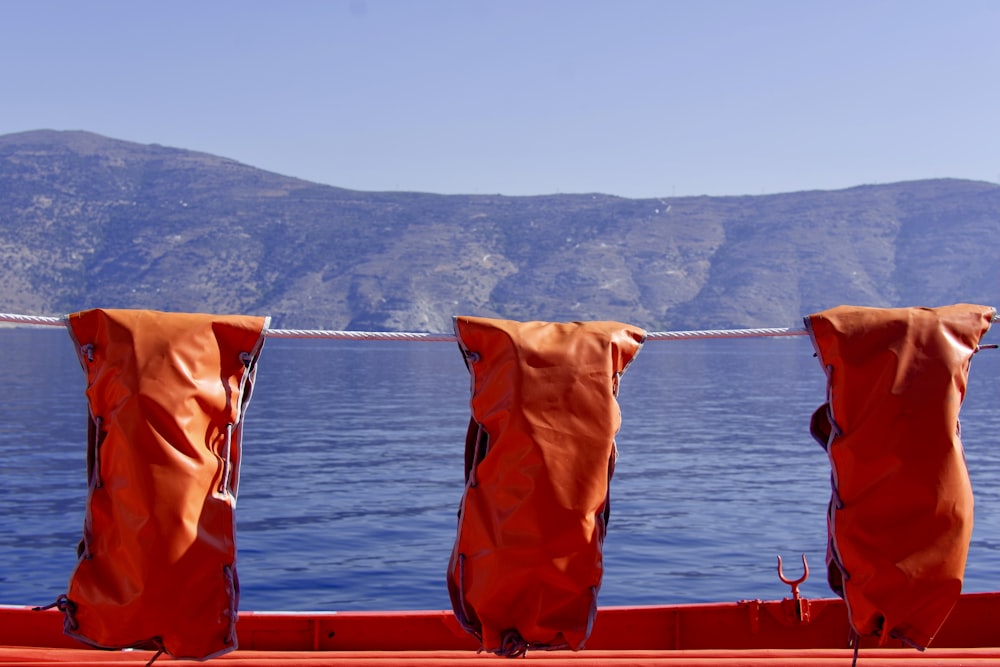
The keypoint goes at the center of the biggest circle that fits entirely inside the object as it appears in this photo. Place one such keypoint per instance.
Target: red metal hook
(794, 583)
(800, 611)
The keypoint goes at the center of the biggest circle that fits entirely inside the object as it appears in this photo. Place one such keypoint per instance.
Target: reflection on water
(352, 472)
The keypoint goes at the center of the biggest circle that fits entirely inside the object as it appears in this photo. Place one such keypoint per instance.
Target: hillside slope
(87, 221)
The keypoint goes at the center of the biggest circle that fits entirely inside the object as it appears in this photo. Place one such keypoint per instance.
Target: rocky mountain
(87, 221)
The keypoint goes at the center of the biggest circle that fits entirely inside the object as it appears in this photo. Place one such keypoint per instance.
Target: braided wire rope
(360, 335)
(450, 338)
(437, 337)
(32, 319)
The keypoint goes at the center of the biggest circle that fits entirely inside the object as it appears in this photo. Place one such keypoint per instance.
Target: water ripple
(352, 473)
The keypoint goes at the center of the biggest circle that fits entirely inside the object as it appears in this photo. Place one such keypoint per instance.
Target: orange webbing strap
(900, 517)
(527, 561)
(166, 394)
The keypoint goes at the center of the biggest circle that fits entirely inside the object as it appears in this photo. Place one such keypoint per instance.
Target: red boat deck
(740, 633)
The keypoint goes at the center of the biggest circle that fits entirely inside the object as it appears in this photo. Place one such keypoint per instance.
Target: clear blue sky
(638, 98)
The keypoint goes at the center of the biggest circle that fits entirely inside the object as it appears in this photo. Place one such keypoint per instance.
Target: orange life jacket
(157, 564)
(900, 517)
(527, 561)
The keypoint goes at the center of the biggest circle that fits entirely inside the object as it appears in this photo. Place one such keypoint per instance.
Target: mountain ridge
(88, 221)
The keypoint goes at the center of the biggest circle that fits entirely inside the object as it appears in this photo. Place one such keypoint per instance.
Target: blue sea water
(353, 471)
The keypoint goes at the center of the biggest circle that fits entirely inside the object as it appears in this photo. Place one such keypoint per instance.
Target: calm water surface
(352, 472)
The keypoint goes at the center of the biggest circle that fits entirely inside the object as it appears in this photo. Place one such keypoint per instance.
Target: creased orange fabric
(900, 517)
(166, 393)
(527, 562)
